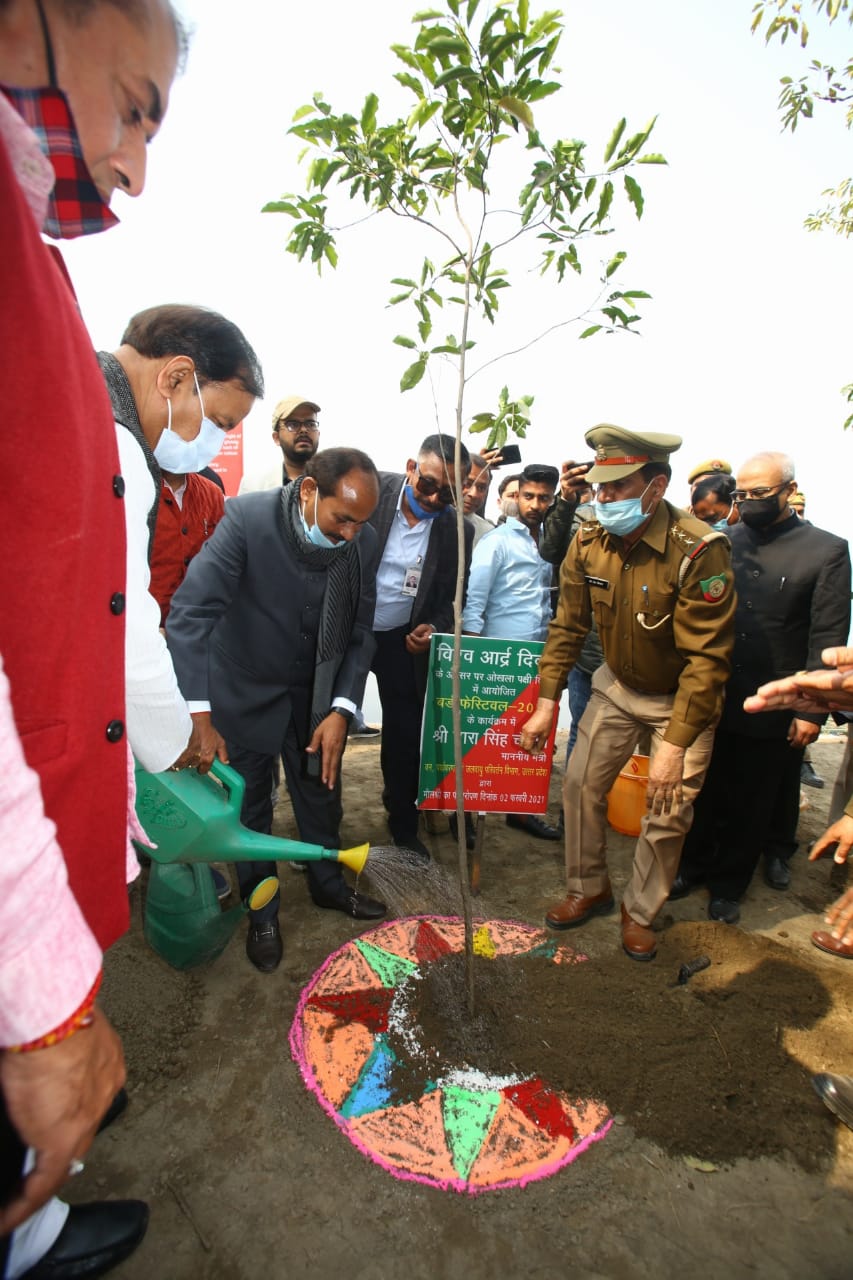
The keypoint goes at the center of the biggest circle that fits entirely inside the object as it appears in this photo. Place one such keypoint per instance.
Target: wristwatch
(342, 711)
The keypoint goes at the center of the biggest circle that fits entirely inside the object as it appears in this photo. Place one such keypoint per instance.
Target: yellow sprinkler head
(354, 858)
(263, 893)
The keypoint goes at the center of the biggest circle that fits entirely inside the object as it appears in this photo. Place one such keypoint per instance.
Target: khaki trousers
(607, 737)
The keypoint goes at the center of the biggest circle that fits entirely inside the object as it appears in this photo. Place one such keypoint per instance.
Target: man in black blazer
(270, 634)
(415, 521)
(793, 600)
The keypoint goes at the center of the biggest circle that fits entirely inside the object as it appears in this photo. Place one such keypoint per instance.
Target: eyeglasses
(298, 424)
(429, 487)
(763, 491)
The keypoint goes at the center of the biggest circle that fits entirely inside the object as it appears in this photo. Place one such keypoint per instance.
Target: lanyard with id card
(412, 578)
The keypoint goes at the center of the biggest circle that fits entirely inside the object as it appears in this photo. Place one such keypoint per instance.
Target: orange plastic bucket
(626, 802)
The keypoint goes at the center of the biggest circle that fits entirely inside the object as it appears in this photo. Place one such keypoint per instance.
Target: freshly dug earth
(247, 1176)
(715, 1077)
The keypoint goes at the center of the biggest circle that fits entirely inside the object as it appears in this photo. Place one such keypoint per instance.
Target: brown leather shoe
(638, 941)
(824, 941)
(575, 910)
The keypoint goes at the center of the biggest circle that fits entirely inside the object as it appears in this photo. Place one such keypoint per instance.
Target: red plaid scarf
(75, 207)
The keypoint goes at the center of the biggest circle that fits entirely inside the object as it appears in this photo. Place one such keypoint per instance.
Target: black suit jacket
(793, 600)
(238, 624)
(434, 600)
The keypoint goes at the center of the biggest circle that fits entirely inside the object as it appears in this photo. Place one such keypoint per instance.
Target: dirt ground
(246, 1175)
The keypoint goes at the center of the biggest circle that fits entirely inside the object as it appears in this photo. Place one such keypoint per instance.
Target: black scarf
(125, 412)
(340, 602)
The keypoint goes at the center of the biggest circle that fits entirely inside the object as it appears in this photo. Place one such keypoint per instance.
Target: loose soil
(722, 1163)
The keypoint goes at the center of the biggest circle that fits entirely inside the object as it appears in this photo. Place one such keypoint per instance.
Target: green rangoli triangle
(389, 968)
(468, 1117)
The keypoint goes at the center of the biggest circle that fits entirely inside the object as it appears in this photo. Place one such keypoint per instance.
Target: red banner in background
(228, 463)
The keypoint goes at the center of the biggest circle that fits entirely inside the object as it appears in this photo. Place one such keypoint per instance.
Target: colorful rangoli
(467, 1132)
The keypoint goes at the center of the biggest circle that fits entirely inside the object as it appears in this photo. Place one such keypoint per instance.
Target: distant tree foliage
(822, 83)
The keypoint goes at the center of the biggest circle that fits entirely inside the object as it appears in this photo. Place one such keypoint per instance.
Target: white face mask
(179, 456)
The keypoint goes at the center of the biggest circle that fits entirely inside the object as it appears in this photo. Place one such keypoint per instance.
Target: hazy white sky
(744, 346)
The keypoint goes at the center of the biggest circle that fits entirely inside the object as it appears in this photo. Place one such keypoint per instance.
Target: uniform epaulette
(590, 529)
(690, 545)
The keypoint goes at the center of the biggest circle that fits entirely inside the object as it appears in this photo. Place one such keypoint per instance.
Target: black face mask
(758, 513)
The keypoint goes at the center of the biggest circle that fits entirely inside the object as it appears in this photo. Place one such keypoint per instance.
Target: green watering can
(194, 819)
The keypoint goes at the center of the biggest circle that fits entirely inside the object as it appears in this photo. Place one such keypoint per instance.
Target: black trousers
(401, 678)
(318, 812)
(749, 806)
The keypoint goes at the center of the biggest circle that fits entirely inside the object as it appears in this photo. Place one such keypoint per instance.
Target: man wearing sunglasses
(415, 520)
(793, 600)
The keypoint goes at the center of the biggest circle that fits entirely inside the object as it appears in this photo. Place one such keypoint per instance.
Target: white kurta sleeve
(158, 721)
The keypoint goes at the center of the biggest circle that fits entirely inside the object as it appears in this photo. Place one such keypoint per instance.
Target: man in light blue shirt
(509, 590)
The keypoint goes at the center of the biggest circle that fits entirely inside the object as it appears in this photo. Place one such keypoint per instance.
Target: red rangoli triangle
(369, 1007)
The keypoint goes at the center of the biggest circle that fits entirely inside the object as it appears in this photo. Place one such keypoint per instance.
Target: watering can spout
(354, 858)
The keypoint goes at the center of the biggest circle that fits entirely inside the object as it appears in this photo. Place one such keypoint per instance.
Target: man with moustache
(509, 590)
(296, 431)
(415, 588)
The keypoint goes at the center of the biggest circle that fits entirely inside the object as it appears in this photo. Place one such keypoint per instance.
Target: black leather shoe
(96, 1237)
(777, 874)
(681, 888)
(724, 910)
(114, 1110)
(470, 834)
(809, 778)
(352, 903)
(534, 826)
(264, 946)
(414, 846)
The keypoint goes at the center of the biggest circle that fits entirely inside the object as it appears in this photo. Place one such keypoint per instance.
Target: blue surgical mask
(720, 526)
(181, 456)
(622, 517)
(314, 533)
(423, 513)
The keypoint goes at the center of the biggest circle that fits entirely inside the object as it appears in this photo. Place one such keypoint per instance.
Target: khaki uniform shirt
(666, 627)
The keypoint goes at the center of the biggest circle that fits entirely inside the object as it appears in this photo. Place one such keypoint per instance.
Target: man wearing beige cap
(296, 431)
(659, 585)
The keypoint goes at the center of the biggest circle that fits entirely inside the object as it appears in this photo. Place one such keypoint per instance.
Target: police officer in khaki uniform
(660, 587)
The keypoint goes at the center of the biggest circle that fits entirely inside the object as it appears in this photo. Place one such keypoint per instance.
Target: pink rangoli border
(297, 1048)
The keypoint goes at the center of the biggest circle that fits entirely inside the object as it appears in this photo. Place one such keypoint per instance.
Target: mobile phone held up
(510, 456)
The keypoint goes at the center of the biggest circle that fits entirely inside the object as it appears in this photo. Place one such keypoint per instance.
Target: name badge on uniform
(596, 582)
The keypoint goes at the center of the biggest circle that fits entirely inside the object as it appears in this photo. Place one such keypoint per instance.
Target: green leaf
(307, 110)
(402, 341)
(653, 157)
(448, 44)
(368, 113)
(518, 110)
(614, 140)
(409, 82)
(615, 263)
(413, 374)
(593, 328)
(280, 206)
(635, 195)
(605, 200)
